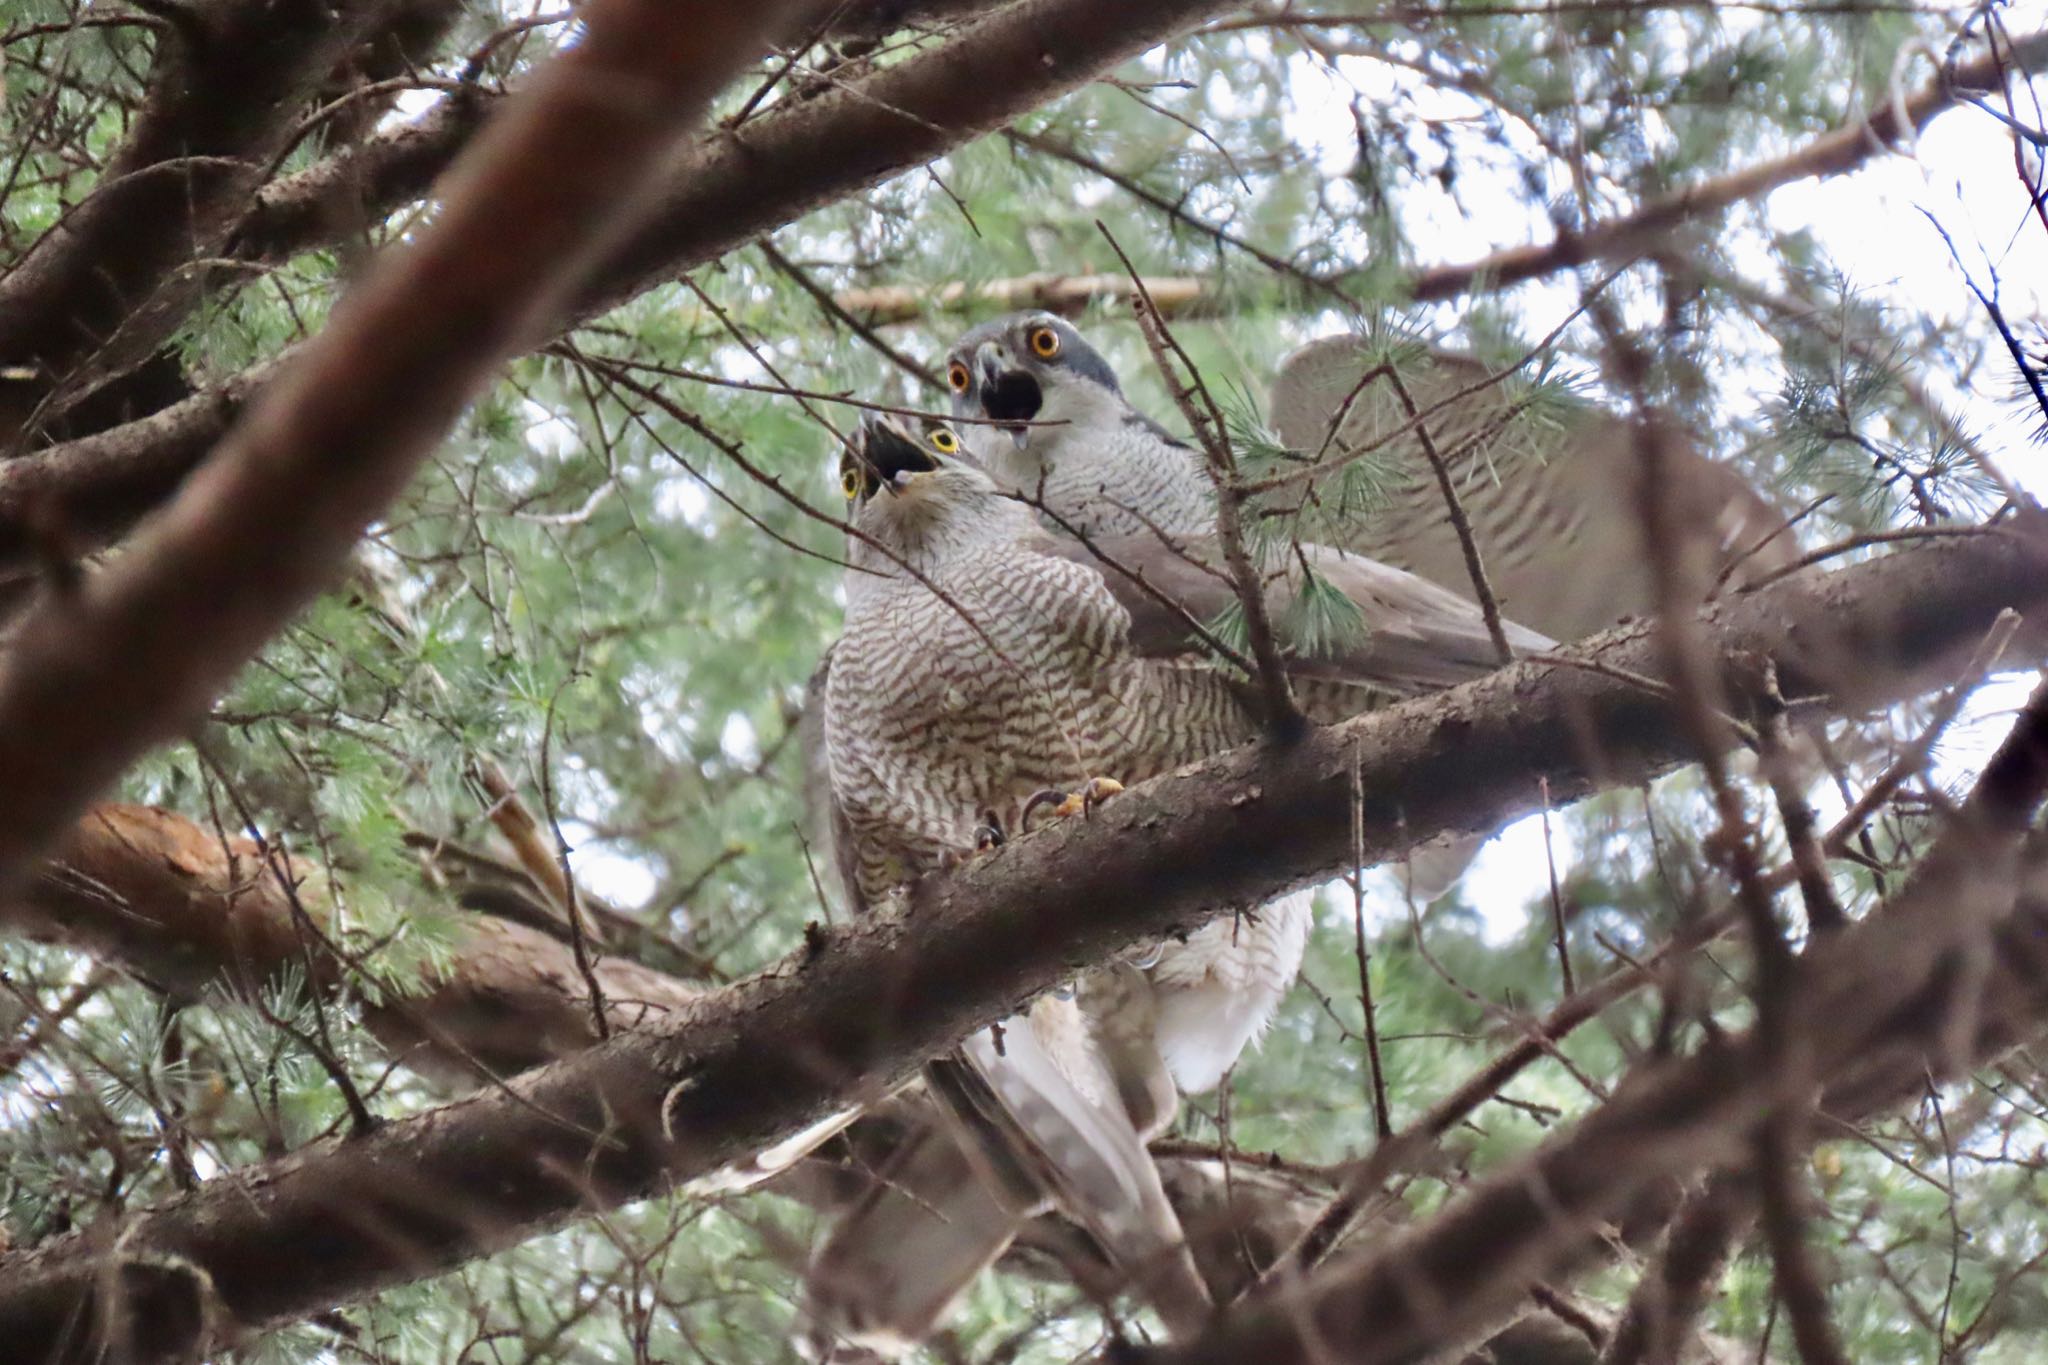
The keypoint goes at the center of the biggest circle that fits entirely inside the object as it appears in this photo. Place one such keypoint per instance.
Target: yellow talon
(1098, 790)
(1067, 804)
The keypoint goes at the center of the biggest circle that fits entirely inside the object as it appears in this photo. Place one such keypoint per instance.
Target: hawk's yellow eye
(957, 376)
(1045, 342)
(944, 441)
(850, 481)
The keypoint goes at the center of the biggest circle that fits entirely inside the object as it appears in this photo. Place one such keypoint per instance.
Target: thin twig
(1382, 1112)
(1824, 912)
(822, 296)
(579, 950)
(1475, 568)
(1283, 717)
(1564, 953)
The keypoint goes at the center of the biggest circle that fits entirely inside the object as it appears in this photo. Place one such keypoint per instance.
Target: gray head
(912, 492)
(1025, 367)
(1090, 460)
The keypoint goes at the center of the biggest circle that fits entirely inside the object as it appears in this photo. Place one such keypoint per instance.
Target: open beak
(1008, 394)
(896, 456)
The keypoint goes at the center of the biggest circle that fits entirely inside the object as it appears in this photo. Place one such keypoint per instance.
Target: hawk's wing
(1550, 496)
(895, 1261)
(1417, 636)
(1058, 1107)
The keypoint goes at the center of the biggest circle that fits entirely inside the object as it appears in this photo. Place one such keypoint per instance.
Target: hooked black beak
(893, 453)
(1008, 394)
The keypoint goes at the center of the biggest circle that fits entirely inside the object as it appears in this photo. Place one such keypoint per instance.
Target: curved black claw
(1048, 796)
(989, 833)
(1065, 804)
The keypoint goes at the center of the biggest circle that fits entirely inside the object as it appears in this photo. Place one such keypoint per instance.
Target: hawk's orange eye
(957, 376)
(1045, 342)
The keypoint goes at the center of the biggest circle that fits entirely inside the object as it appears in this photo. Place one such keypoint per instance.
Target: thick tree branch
(134, 651)
(860, 1006)
(734, 186)
(740, 183)
(189, 912)
(91, 490)
(769, 173)
(101, 289)
(1886, 997)
(359, 185)
(1833, 153)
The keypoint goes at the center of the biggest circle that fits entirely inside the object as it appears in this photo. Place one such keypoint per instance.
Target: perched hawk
(983, 663)
(1550, 498)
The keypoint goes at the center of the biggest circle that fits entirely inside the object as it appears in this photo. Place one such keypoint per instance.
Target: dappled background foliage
(615, 578)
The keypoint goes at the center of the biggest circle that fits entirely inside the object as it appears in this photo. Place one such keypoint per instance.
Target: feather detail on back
(899, 1258)
(1550, 497)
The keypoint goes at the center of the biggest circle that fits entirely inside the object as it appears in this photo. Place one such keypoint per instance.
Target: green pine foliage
(588, 588)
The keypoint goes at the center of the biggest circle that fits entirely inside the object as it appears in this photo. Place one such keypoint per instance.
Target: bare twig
(1198, 406)
(1564, 952)
(1382, 1112)
(1830, 154)
(1482, 590)
(835, 308)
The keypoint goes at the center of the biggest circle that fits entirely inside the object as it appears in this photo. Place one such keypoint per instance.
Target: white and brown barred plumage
(977, 668)
(1557, 523)
(984, 661)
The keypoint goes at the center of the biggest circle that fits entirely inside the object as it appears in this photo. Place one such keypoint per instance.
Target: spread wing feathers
(1215, 992)
(1417, 636)
(1550, 495)
(900, 1256)
(1053, 1097)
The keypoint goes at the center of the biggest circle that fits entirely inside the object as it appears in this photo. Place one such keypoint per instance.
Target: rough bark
(769, 173)
(122, 661)
(190, 912)
(860, 1006)
(337, 198)
(103, 288)
(1878, 1012)
(742, 182)
(77, 496)
(733, 186)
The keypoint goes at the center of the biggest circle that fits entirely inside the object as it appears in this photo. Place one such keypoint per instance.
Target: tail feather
(1068, 1115)
(898, 1260)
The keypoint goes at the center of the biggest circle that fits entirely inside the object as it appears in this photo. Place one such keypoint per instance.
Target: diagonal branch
(861, 1006)
(123, 661)
(1834, 153)
(734, 187)
(1883, 1000)
(103, 288)
(191, 912)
